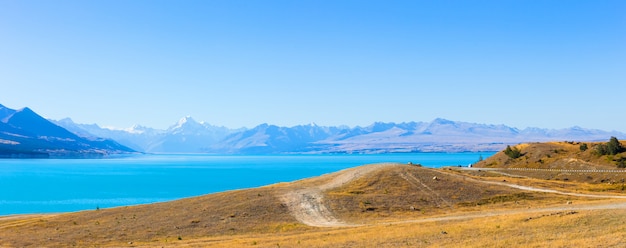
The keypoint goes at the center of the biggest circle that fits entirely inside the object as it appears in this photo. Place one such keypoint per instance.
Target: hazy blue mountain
(439, 135)
(24, 133)
(137, 137)
(186, 136)
(442, 135)
(26, 119)
(69, 125)
(267, 138)
(5, 112)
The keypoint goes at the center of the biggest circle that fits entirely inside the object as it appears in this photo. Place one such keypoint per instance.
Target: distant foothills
(23, 133)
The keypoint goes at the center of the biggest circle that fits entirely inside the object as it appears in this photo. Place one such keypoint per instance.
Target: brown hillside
(255, 210)
(381, 193)
(555, 155)
(561, 156)
(409, 191)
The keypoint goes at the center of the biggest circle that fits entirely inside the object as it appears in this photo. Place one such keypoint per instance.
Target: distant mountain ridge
(24, 133)
(186, 136)
(439, 135)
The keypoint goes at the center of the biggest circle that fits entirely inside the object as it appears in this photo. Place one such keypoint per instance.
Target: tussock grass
(555, 155)
(397, 206)
(551, 229)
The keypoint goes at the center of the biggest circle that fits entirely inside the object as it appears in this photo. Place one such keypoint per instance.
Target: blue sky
(551, 64)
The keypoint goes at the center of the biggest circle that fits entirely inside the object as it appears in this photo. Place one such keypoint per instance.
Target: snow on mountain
(185, 136)
(189, 126)
(135, 129)
(267, 138)
(185, 123)
(69, 125)
(188, 135)
(135, 137)
(440, 135)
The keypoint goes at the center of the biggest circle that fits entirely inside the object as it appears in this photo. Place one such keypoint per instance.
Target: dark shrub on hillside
(512, 152)
(611, 148)
(583, 147)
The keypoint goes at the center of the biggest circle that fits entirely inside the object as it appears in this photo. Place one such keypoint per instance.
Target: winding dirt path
(307, 204)
(535, 189)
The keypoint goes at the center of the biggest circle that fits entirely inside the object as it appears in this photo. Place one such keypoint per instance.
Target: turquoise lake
(63, 185)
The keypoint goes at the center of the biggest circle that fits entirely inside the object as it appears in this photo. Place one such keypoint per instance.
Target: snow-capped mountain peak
(186, 123)
(189, 135)
(185, 120)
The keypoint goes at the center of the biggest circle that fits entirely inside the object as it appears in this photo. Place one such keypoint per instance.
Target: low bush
(512, 152)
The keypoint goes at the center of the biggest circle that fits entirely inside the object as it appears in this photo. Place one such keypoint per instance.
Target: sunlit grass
(398, 206)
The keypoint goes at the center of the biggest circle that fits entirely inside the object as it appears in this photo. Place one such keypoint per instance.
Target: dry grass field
(382, 205)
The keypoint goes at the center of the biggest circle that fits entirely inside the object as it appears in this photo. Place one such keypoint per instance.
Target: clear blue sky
(551, 64)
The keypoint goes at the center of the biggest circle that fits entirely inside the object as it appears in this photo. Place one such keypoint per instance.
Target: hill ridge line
(307, 204)
(536, 189)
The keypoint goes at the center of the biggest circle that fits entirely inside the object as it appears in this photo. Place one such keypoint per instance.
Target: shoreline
(208, 174)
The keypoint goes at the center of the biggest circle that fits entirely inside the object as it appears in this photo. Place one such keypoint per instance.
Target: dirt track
(534, 189)
(307, 204)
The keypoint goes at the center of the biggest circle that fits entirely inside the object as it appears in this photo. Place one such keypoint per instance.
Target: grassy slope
(561, 155)
(603, 228)
(388, 196)
(236, 212)
(257, 218)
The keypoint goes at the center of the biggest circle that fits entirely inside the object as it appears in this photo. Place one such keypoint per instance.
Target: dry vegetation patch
(405, 192)
(394, 205)
(229, 213)
(561, 156)
(602, 228)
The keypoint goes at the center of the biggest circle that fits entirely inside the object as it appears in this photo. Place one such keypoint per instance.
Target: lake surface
(62, 185)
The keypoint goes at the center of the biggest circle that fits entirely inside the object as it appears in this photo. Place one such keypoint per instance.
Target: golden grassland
(605, 228)
(552, 155)
(396, 206)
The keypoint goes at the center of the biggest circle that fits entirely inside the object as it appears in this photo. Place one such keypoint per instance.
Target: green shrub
(583, 147)
(512, 152)
(612, 147)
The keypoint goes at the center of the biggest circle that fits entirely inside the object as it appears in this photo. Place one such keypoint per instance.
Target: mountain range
(24, 133)
(439, 135)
